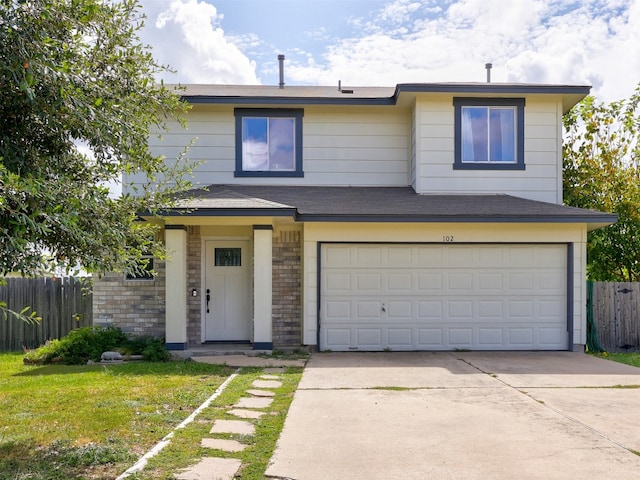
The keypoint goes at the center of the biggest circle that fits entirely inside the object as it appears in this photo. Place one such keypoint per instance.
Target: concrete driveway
(461, 415)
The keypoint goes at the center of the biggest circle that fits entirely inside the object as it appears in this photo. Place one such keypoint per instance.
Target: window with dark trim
(269, 142)
(489, 133)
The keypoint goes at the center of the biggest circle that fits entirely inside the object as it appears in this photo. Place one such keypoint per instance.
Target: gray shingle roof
(379, 204)
(358, 95)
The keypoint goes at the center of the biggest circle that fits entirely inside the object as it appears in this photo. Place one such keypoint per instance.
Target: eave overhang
(376, 205)
(368, 96)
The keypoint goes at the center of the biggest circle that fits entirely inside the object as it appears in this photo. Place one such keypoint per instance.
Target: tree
(78, 101)
(602, 172)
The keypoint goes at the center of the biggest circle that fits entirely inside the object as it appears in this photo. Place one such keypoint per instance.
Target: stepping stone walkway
(214, 468)
(266, 383)
(239, 427)
(241, 413)
(261, 393)
(253, 402)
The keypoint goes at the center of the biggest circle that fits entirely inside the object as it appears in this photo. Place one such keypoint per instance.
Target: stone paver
(266, 384)
(239, 427)
(261, 393)
(222, 444)
(211, 468)
(253, 402)
(240, 413)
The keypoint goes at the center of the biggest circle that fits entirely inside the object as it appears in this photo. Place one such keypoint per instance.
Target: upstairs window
(268, 142)
(489, 133)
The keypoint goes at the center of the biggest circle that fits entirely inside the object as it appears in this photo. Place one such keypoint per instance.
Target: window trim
(518, 103)
(296, 113)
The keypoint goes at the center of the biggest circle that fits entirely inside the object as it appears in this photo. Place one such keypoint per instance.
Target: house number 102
(447, 238)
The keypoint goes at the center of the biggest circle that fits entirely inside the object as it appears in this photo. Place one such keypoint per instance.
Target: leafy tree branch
(602, 172)
(74, 72)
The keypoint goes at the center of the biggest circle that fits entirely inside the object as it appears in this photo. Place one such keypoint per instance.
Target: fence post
(593, 345)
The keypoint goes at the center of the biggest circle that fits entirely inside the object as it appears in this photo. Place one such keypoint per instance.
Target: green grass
(185, 450)
(628, 358)
(92, 422)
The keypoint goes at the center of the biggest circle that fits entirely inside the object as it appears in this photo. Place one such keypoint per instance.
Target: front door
(227, 288)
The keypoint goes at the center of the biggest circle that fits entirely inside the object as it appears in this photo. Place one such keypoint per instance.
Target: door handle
(208, 298)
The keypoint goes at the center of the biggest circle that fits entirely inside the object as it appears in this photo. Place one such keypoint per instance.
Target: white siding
(539, 181)
(346, 146)
(381, 146)
(414, 150)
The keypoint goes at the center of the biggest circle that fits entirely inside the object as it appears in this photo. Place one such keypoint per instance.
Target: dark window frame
(517, 103)
(296, 113)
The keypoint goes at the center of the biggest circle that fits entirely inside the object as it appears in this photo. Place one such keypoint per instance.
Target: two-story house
(427, 216)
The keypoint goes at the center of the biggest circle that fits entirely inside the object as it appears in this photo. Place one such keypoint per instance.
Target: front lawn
(628, 358)
(92, 422)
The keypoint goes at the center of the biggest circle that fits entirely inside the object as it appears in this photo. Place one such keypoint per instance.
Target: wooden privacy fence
(616, 314)
(63, 303)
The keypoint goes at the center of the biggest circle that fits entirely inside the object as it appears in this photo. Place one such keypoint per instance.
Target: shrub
(45, 354)
(88, 343)
(155, 351)
(152, 349)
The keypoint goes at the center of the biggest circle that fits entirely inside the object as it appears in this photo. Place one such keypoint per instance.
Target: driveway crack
(549, 407)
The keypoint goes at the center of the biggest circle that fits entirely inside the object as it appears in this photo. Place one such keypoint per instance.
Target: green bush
(152, 349)
(155, 351)
(45, 354)
(88, 344)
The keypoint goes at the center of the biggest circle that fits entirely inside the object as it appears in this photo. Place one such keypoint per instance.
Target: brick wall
(194, 280)
(136, 306)
(287, 288)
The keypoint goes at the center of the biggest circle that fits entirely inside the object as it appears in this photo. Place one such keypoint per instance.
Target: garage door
(443, 297)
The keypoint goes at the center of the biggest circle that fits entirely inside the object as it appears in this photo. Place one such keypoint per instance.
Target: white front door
(227, 291)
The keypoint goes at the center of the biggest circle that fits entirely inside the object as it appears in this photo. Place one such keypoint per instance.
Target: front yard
(628, 358)
(62, 422)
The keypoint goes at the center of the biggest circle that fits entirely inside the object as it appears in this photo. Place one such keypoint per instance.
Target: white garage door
(443, 297)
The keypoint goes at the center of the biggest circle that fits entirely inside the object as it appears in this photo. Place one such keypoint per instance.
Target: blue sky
(386, 42)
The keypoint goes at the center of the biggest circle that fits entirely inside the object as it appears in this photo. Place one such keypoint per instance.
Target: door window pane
(228, 257)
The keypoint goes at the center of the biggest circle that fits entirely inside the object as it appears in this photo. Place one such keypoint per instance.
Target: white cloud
(186, 35)
(539, 41)
(585, 43)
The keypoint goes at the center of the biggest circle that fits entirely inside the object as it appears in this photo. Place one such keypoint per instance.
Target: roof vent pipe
(488, 67)
(281, 63)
